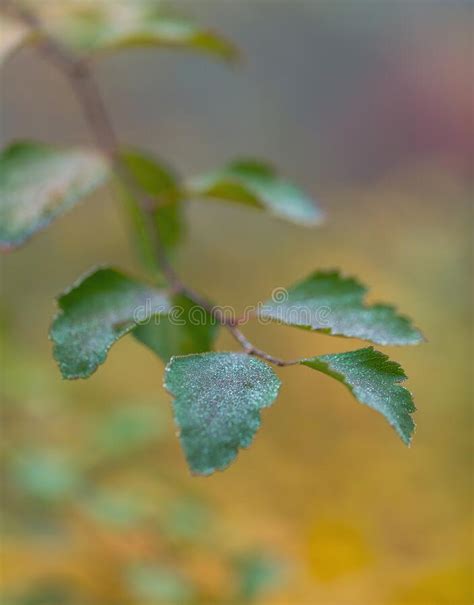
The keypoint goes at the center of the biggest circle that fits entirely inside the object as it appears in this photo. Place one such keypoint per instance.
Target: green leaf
(218, 398)
(256, 574)
(38, 183)
(115, 508)
(250, 182)
(374, 380)
(160, 184)
(99, 26)
(187, 519)
(46, 591)
(128, 428)
(328, 302)
(167, 32)
(45, 475)
(80, 25)
(98, 310)
(187, 329)
(158, 584)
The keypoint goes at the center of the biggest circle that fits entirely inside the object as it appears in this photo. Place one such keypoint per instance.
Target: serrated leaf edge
(60, 312)
(397, 382)
(421, 338)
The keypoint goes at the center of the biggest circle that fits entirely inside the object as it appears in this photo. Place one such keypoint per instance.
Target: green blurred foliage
(53, 493)
(155, 584)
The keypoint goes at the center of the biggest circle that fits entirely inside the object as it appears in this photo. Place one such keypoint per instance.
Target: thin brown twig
(88, 94)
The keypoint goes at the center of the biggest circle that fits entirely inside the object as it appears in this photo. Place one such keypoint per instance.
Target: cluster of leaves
(218, 396)
(51, 488)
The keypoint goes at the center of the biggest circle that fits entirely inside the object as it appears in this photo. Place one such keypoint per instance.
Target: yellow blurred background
(368, 106)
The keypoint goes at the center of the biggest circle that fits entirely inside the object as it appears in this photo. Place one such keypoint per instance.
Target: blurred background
(368, 106)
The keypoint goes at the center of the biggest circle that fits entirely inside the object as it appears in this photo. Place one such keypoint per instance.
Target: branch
(83, 83)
